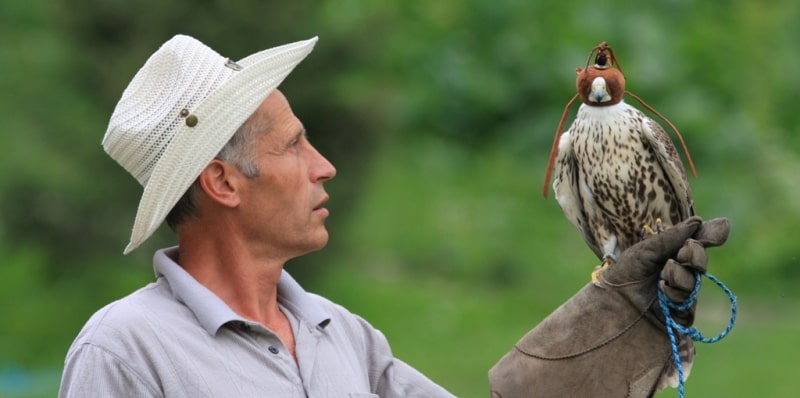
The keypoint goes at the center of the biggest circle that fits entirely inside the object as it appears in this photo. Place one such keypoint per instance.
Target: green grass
(758, 359)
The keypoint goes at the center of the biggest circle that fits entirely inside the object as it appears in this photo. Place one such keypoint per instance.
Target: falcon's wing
(667, 156)
(568, 192)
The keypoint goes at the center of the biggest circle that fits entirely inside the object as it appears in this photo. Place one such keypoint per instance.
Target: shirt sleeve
(391, 377)
(91, 371)
(398, 379)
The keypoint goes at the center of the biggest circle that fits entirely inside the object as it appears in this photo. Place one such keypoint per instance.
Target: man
(226, 163)
(224, 319)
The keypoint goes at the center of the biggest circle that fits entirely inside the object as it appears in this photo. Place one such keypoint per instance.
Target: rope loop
(674, 327)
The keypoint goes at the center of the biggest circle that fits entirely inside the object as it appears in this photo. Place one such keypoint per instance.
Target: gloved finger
(713, 232)
(678, 276)
(693, 255)
(677, 281)
(683, 317)
(647, 257)
(677, 284)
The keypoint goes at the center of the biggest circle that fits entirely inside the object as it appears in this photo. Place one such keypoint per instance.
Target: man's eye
(297, 141)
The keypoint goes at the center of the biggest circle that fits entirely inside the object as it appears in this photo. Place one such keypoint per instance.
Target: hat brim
(218, 118)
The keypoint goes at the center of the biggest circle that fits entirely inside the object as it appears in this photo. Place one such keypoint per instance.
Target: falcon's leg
(608, 259)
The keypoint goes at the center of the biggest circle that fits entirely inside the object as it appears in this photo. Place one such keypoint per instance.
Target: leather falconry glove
(611, 340)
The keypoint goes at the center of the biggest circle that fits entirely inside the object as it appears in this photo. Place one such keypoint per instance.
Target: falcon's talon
(608, 259)
(655, 228)
(596, 276)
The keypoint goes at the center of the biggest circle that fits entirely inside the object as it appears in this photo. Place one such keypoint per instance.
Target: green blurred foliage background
(439, 117)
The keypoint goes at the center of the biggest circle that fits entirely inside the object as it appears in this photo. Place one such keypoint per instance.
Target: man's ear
(220, 181)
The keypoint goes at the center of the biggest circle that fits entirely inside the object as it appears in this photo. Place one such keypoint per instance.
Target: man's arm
(390, 377)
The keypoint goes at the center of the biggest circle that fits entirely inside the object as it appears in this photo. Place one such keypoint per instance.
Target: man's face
(282, 208)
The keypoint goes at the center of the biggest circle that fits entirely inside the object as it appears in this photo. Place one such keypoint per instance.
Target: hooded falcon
(617, 175)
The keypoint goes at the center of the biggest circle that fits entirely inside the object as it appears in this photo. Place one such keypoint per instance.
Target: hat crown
(174, 80)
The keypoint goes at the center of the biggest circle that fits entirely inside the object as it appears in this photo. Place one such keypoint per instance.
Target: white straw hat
(180, 109)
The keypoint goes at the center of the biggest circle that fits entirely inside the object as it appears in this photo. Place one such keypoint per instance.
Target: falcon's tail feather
(669, 377)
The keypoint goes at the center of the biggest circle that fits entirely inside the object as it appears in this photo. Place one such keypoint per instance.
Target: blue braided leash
(672, 326)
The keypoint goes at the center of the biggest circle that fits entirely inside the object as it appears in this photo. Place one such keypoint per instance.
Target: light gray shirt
(175, 338)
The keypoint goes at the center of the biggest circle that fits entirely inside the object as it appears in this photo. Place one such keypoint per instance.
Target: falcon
(617, 175)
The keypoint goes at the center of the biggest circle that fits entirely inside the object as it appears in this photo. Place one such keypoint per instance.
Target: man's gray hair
(238, 151)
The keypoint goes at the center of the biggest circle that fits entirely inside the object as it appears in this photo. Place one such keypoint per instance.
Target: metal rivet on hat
(184, 112)
(191, 120)
(233, 65)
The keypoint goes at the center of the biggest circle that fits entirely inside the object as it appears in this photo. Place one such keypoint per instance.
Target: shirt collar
(212, 313)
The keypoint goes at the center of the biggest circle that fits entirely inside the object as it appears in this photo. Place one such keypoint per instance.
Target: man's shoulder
(137, 315)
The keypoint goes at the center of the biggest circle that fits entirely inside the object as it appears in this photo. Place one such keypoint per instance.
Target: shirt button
(273, 349)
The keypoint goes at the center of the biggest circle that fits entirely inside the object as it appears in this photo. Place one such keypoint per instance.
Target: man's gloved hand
(610, 341)
(676, 253)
